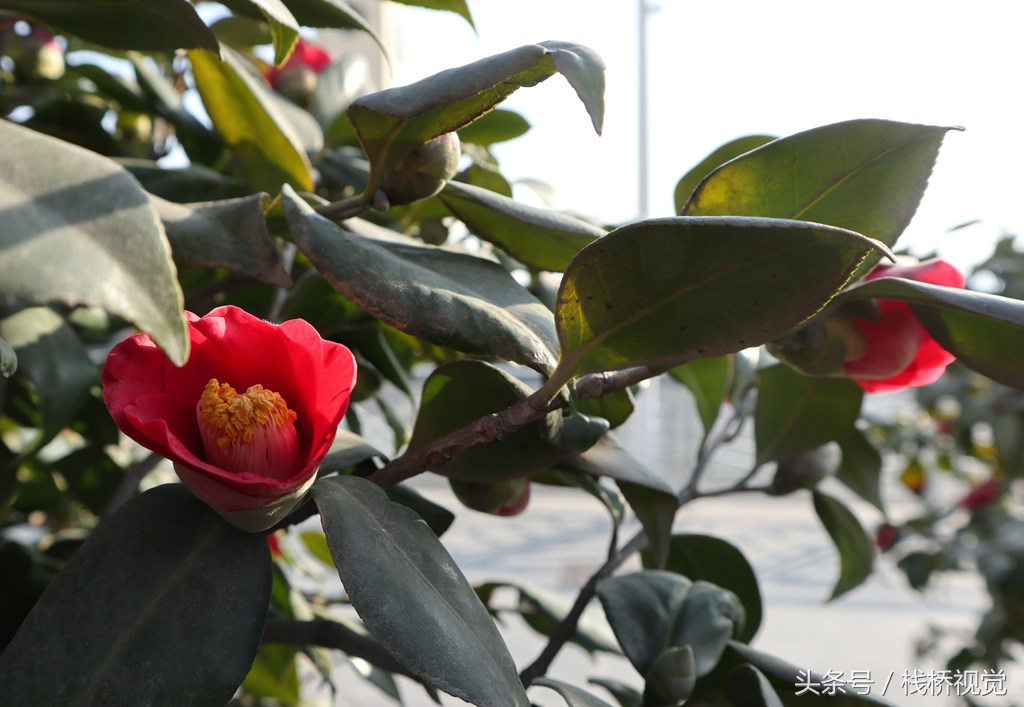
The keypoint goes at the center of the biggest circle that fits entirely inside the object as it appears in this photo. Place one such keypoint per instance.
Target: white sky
(719, 70)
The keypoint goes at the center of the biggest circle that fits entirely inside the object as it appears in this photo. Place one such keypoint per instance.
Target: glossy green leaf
(230, 234)
(573, 696)
(398, 575)
(654, 610)
(85, 234)
(163, 582)
(348, 450)
(749, 687)
(864, 175)
(149, 25)
(667, 291)
(624, 694)
(730, 150)
(447, 298)
(545, 609)
(55, 361)
(615, 407)
(714, 560)
(861, 468)
(247, 118)
(392, 122)
(462, 392)
(708, 381)
(796, 413)
(274, 674)
(284, 28)
(8, 359)
(856, 551)
(499, 125)
(459, 7)
(242, 31)
(184, 184)
(539, 238)
(437, 517)
(985, 332)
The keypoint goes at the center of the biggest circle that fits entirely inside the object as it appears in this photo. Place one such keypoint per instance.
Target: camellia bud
(806, 469)
(500, 498)
(424, 171)
(824, 346)
(38, 56)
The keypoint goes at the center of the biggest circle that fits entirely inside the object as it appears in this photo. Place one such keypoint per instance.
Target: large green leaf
(730, 150)
(749, 687)
(445, 297)
(985, 332)
(654, 610)
(667, 291)
(392, 122)
(708, 381)
(573, 696)
(230, 234)
(539, 238)
(55, 361)
(332, 13)
(796, 413)
(457, 6)
(164, 604)
(462, 392)
(499, 125)
(864, 175)
(85, 233)
(711, 559)
(151, 25)
(246, 116)
(861, 468)
(192, 183)
(412, 596)
(284, 28)
(856, 551)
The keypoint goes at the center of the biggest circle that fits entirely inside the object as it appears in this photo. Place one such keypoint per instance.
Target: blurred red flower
(899, 351)
(980, 496)
(306, 55)
(247, 420)
(886, 536)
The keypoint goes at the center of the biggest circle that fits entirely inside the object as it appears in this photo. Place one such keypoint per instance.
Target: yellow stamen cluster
(235, 416)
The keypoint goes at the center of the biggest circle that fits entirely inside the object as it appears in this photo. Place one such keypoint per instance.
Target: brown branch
(497, 425)
(334, 635)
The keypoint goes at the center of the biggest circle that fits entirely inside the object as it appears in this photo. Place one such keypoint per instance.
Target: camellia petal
(900, 352)
(155, 403)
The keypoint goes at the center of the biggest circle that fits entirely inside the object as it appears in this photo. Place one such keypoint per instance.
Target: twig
(331, 634)
(497, 425)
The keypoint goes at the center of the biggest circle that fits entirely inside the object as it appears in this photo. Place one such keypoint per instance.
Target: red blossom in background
(306, 55)
(247, 420)
(899, 351)
(886, 536)
(980, 496)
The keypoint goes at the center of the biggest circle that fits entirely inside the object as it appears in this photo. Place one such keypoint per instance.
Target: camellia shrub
(231, 298)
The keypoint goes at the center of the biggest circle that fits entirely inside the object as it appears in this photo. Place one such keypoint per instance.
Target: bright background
(719, 70)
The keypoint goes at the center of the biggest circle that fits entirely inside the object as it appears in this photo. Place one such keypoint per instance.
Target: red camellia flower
(306, 56)
(980, 496)
(247, 420)
(886, 536)
(899, 351)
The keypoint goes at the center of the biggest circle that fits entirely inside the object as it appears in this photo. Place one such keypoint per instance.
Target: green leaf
(392, 122)
(615, 407)
(462, 392)
(447, 298)
(796, 413)
(714, 560)
(333, 13)
(654, 610)
(85, 234)
(708, 380)
(624, 694)
(539, 238)
(437, 517)
(274, 674)
(284, 28)
(163, 582)
(730, 150)
(573, 696)
(856, 551)
(242, 31)
(667, 291)
(8, 359)
(149, 25)
(230, 234)
(985, 332)
(248, 119)
(193, 183)
(55, 361)
(457, 6)
(749, 687)
(861, 468)
(499, 125)
(348, 450)
(398, 576)
(867, 176)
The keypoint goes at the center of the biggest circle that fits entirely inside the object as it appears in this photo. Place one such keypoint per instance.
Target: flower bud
(500, 498)
(423, 171)
(806, 469)
(37, 56)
